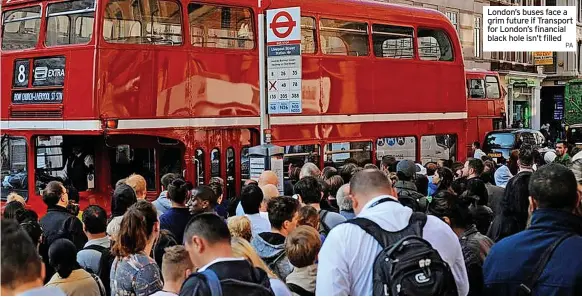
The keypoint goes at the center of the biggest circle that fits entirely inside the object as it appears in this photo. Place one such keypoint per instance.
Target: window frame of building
(455, 22)
(477, 48)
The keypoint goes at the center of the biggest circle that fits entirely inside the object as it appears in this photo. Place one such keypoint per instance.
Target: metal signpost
(283, 61)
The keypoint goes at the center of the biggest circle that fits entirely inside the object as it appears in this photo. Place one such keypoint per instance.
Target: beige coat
(79, 283)
(303, 277)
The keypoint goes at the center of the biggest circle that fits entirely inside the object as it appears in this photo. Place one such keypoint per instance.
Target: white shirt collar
(219, 260)
(374, 200)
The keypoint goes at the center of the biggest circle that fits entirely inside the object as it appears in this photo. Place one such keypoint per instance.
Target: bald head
(309, 169)
(270, 191)
(367, 185)
(268, 177)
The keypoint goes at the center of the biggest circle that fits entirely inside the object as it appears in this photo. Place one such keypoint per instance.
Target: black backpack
(408, 264)
(233, 286)
(323, 227)
(414, 200)
(105, 263)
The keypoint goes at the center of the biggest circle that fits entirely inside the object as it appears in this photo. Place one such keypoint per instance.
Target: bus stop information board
(284, 60)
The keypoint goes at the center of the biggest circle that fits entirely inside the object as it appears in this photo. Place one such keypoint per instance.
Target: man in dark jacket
(408, 194)
(58, 222)
(270, 246)
(207, 241)
(553, 198)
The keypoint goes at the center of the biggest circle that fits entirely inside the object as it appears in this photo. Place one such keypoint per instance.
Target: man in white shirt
(251, 198)
(477, 152)
(347, 257)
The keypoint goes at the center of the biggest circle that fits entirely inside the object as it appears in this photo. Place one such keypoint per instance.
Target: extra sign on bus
(284, 60)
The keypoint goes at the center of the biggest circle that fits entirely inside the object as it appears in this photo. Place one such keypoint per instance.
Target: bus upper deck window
(492, 87)
(70, 22)
(434, 45)
(221, 27)
(344, 38)
(21, 28)
(308, 40)
(156, 22)
(393, 41)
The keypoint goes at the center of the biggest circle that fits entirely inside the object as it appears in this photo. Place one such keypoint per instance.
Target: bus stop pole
(262, 75)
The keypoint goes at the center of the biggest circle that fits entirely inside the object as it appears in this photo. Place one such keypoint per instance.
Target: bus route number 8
(21, 73)
(21, 70)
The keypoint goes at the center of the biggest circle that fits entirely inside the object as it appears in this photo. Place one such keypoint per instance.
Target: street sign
(284, 60)
(543, 58)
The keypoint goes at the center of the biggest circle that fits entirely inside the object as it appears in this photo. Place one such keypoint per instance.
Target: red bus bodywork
(207, 99)
(486, 111)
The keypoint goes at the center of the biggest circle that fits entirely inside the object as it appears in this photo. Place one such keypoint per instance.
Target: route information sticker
(284, 60)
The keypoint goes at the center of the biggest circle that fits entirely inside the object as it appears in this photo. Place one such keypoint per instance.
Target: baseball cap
(407, 167)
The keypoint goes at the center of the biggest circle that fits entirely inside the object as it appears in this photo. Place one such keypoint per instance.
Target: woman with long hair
(123, 197)
(242, 248)
(134, 272)
(514, 208)
(443, 178)
(70, 276)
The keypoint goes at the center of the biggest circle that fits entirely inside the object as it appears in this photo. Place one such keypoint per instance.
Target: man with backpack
(95, 257)
(207, 241)
(408, 194)
(357, 260)
(543, 259)
(309, 191)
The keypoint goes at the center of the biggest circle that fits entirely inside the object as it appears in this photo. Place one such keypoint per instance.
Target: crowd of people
(475, 228)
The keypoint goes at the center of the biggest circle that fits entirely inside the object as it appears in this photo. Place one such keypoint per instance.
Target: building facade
(535, 94)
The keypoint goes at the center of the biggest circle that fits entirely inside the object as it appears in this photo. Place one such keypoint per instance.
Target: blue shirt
(90, 259)
(43, 291)
(259, 224)
(175, 221)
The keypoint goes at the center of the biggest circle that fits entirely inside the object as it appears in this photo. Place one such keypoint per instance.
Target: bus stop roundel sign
(283, 25)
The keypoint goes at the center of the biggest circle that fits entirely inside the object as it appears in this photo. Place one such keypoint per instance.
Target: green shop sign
(521, 82)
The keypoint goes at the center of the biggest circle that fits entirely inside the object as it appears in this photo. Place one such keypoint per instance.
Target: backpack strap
(525, 288)
(299, 290)
(96, 247)
(99, 284)
(386, 238)
(417, 222)
(213, 282)
(322, 214)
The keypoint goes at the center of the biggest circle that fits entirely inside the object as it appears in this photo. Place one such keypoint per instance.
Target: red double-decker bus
(158, 86)
(485, 105)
